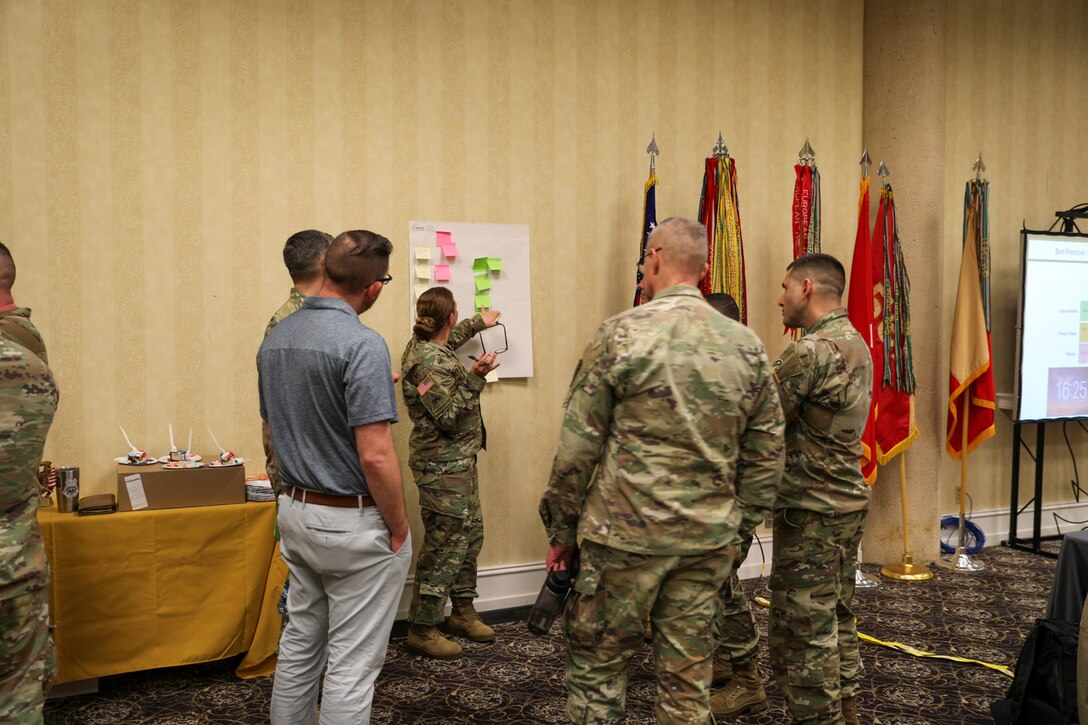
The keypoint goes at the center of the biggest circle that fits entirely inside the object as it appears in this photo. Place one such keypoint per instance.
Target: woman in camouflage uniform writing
(443, 401)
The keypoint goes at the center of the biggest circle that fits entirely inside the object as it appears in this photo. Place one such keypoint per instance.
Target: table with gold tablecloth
(144, 589)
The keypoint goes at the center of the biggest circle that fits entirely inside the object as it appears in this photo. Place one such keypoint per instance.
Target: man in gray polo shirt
(327, 397)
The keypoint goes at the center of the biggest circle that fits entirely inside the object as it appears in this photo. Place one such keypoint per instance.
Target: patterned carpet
(519, 679)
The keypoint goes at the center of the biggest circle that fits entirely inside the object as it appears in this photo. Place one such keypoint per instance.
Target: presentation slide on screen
(1054, 318)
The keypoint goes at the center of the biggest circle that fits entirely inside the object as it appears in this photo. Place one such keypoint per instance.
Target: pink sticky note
(449, 250)
(443, 238)
(442, 273)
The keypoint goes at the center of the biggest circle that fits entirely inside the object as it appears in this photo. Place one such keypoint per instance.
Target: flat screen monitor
(1052, 327)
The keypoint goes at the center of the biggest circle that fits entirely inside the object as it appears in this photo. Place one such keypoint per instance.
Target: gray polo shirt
(321, 372)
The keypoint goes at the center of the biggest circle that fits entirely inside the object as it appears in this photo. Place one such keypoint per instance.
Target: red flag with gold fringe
(860, 310)
(893, 368)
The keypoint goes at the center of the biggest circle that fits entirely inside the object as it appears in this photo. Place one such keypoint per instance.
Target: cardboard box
(167, 489)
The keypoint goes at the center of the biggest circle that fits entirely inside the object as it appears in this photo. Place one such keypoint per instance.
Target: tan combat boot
(464, 622)
(850, 711)
(741, 695)
(426, 640)
(723, 670)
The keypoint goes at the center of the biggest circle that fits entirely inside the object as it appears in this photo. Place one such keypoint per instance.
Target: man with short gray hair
(671, 444)
(328, 402)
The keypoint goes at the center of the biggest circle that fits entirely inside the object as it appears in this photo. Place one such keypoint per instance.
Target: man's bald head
(683, 245)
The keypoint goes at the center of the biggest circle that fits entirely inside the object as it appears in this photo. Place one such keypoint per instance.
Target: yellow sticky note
(420, 289)
(423, 271)
(492, 377)
(423, 254)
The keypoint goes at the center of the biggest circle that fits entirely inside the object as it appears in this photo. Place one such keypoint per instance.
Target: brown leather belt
(328, 499)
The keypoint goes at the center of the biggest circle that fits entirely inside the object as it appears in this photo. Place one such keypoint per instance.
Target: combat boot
(426, 640)
(850, 711)
(741, 695)
(723, 670)
(464, 622)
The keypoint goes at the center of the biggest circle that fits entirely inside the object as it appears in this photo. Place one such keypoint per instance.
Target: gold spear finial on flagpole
(721, 151)
(806, 155)
(653, 151)
(978, 167)
(883, 173)
(866, 161)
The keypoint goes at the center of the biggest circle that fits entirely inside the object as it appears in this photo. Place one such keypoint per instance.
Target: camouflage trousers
(734, 624)
(813, 635)
(27, 660)
(615, 592)
(453, 534)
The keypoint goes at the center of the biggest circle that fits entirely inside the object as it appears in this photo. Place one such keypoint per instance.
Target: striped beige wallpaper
(155, 155)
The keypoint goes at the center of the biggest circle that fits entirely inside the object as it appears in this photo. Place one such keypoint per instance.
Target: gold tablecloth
(144, 589)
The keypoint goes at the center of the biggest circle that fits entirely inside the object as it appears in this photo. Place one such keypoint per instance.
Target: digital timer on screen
(1067, 393)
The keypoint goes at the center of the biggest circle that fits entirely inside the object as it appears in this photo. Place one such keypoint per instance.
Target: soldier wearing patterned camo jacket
(443, 401)
(15, 322)
(735, 667)
(29, 400)
(670, 446)
(825, 383)
(304, 257)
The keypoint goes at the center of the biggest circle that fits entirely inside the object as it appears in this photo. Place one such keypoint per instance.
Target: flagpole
(860, 580)
(906, 570)
(961, 560)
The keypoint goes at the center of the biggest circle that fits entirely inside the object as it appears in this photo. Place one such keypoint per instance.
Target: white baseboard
(995, 522)
(505, 587)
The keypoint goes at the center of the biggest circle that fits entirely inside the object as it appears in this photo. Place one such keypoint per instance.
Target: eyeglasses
(385, 280)
(641, 267)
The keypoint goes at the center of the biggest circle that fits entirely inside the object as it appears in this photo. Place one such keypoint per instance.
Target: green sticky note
(479, 265)
(483, 284)
(483, 299)
(494, 264)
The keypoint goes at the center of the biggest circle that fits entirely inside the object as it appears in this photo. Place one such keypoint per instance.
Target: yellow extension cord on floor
(907, 649)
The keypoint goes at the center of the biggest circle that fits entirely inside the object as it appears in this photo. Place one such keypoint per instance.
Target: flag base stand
(861, 581)
(961, 561)
(907, 570)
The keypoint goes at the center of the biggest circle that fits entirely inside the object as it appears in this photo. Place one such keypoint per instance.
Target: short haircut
(823, 269)
(685, 242)
(433, 310)
(7, 269)
(303, 254)
(358, 259)
(724, 304)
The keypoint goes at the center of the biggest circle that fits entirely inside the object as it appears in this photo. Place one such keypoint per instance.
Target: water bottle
(549, 603)
(68, 500)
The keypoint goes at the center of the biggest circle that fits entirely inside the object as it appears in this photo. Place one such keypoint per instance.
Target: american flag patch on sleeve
(425, 387)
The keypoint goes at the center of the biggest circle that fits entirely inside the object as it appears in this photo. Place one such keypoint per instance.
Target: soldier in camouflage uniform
(670, 446)
(443, 401)
(29, 402)
(735, 625)
(15, 322)
(825, 383)
(304, 256)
